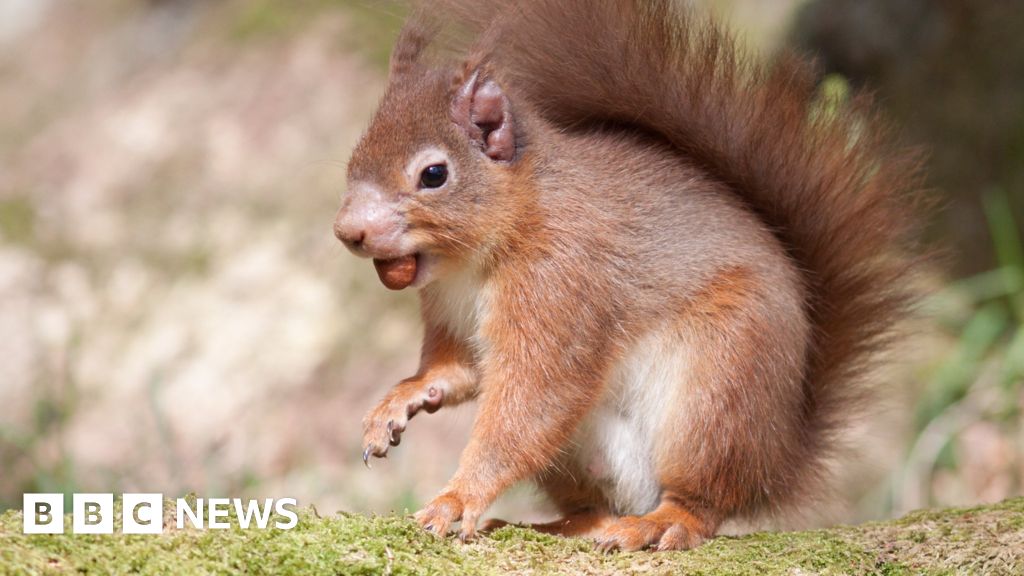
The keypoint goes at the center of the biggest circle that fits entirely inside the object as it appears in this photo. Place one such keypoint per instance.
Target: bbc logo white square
(142, 514)
(92, 513)
(43, 513)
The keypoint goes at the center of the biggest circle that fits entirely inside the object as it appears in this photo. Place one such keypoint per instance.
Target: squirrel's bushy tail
(825, 177)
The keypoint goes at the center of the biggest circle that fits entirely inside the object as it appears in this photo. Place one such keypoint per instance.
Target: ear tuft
(412, 42)
(483, 111)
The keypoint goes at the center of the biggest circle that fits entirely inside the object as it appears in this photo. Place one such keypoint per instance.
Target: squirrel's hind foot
(669, 527)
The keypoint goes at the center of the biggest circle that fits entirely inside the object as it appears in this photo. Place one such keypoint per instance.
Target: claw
(394, 433)
(366, 457)
(606, 546)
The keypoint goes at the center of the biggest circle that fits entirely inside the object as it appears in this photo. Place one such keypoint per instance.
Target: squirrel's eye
(434, 176)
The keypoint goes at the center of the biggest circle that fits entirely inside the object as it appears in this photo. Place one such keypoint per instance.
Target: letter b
(43, 513)
(93, 513)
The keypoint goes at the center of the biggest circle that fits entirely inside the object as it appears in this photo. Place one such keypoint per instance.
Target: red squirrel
(660, 266)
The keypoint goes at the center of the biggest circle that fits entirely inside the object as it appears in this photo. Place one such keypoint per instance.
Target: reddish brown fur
(664, 193)
(725, 295)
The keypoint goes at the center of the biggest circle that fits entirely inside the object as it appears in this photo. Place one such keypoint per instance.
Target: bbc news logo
(144, 513)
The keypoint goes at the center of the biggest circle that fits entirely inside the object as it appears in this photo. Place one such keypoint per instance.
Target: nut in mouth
(397, 273)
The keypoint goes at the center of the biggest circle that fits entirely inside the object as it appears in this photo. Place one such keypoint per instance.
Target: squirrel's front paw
(384, 425)
(447, 508)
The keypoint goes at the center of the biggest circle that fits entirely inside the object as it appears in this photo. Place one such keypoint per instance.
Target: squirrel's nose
(368, 224)
(351, 235)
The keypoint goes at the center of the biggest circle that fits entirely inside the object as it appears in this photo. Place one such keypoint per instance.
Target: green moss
(986, 539)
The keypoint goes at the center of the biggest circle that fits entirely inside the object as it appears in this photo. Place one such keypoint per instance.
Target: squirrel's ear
(481, 108)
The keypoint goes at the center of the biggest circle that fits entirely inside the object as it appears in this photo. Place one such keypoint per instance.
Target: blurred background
(176, 316)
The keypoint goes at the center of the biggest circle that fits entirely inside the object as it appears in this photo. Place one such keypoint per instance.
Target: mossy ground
(982, 540)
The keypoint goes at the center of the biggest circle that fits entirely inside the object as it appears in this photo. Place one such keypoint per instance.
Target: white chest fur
(464, 299)
(617, 442)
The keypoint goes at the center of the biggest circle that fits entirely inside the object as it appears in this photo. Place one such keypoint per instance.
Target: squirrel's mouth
(397, 273)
